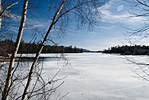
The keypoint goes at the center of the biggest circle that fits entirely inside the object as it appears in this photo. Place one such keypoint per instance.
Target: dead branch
(3, 12)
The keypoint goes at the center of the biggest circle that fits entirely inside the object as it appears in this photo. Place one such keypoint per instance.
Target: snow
(96, 76)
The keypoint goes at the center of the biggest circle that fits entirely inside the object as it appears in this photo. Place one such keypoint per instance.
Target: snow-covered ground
(96, 76)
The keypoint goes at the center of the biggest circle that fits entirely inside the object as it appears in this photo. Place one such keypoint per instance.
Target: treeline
(129, 50)
(7, 46)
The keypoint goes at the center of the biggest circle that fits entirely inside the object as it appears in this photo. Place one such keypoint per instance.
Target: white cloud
(108, 4)
(35, 26)
(14, 29)
(13, 16)
(109, 15)
(105, 27)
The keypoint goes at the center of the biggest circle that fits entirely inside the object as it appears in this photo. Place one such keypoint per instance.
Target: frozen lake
(96, 76)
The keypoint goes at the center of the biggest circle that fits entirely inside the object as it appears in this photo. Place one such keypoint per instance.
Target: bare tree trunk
(11, 65)
(0, 12)
(41, 48)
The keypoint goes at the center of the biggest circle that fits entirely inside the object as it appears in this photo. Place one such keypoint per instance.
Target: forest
(40, 21)
(129, 50)
(7, 46)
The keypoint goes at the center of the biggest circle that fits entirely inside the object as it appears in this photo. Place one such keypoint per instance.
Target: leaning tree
(16, 81)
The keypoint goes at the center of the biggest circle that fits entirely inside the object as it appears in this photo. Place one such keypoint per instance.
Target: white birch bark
(54, 21)
(0, 12)
(39, 52)
(12, 60)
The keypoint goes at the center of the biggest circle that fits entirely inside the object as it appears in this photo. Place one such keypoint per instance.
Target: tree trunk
(0, 12)
(11, 65)
(40, 49)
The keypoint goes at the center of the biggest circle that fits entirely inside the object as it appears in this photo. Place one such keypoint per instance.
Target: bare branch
(142, 3)
(3, 12)
(70, 10)
(39, 52)
(13, 56)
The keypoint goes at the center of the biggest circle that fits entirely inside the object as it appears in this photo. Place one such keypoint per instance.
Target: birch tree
(13, 56)
(84, 11)
(57, 16)
(0, 11)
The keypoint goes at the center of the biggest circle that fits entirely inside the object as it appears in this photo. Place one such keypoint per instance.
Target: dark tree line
(15, 83)
(129, 50)
(7, 47)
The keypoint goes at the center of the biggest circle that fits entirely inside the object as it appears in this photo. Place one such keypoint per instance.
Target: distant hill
(86, 50)
(129, 50)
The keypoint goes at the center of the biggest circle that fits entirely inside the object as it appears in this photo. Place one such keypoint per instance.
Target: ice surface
(96, 76)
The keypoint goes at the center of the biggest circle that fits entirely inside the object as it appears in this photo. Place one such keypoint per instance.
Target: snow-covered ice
(96, 76)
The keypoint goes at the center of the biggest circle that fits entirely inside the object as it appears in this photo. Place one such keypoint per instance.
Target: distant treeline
(7, 46)
(129, 50)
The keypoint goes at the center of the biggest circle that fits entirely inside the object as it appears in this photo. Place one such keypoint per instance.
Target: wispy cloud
(105, 27)
(110, 16)
(13, 16)
(14, 29)
(126, 18)
(32, 26)
(30, 22)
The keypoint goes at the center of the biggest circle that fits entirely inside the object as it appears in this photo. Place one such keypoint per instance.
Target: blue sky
(110, 29)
